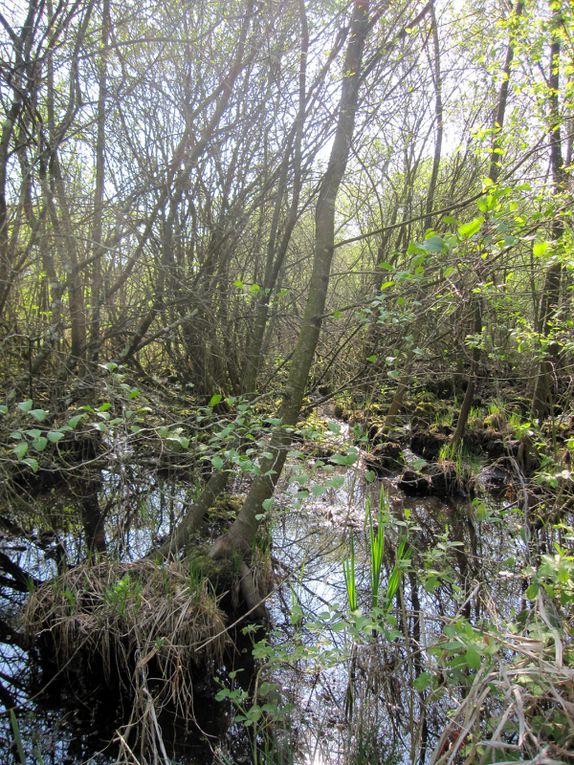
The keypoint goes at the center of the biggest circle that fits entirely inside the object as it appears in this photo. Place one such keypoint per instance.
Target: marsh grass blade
(376, 547)
(350, 576)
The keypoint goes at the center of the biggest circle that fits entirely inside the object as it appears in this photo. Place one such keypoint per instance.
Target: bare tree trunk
(276, 252)
(437, 80)
(542, 398)
(24, 79)
(242, 532)
(97, 227)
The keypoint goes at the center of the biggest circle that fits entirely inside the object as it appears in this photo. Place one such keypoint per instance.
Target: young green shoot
(401, 560)
(350, 576)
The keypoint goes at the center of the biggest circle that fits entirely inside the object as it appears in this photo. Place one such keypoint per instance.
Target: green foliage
(555, 575)
(261, 711)
(466, 463)
(463, 649)
(437, 566)
(125, 593)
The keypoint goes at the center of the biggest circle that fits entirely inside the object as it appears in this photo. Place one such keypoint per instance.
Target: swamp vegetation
(286, 373)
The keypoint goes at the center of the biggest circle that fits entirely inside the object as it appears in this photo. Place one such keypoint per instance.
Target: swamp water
(340, 687)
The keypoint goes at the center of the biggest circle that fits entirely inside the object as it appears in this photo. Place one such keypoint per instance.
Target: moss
(221, 573)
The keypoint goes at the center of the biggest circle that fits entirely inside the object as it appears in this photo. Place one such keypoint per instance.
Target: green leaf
(39, 444)
(540, 249)
(32, 463)
(433, 244)
(16, 435)
(336, 481)
(386, 285)
(54, 436)
(423, 681)
(214, 400)
(75, 420)
(472, 658)
(345, 459)
(372, 358)
(3, 409)
(39, 414)
(469, 229)
(532, 590)
(25, 406)
(266, 688)
(217, 462)
(487, 203)
(21, 449)
(318, 490)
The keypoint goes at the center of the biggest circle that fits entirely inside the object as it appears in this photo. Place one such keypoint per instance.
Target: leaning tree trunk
(240, 536)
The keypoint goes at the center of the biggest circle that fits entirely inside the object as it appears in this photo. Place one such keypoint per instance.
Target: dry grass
(519, 709)
(147, 628)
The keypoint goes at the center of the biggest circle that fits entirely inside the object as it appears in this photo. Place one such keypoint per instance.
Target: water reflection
(347, 691)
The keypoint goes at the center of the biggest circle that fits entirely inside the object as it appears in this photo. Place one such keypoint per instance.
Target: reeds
(376, 547)
(350, 576)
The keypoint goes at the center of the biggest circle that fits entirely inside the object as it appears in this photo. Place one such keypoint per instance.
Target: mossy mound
(385, 457)
(120, 620)
(428, 444)
(438, 479)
